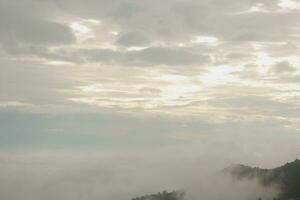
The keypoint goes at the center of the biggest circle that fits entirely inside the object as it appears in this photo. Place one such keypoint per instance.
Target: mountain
(287, 177)
(175, 195)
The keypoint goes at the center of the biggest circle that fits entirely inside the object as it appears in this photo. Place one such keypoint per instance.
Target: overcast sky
(129, 85)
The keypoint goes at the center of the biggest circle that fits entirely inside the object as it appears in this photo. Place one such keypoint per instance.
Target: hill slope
(287, 177)
(175, 195)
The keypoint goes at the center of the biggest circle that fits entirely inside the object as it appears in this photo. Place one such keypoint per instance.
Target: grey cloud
(283, 68)
(90, 129)
(167, 56)
(234, 58)
(261, 27)
(282, 71)
(133, 39)
(239, 56)
(35, 82)
(23, 24)
(282, 50)
(32, 51)
(102, 55)
(151, 56)
(250, 72)
(261, 105)
(87, 129)
(285, 72)
(170, 21)
(35, 31)
(150, 91)
(292, 79)
(147, 57)
(178, 20)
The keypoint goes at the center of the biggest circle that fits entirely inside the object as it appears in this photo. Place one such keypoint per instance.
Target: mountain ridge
(287, 177)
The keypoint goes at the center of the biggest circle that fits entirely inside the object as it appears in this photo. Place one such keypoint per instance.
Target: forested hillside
(286, 177)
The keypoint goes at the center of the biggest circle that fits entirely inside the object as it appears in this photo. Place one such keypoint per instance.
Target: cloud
(283, 68)
(21, 27)
(8, 104)
(285, 72)
(150, 91)
(133, 39)
(29, 82)
(151, 56)
(177, 20)
(157, 56)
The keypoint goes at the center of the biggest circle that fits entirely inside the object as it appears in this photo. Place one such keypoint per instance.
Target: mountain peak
(286, 176)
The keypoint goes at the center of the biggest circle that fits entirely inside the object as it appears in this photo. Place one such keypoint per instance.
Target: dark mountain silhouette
(174, 195)
(286, 177)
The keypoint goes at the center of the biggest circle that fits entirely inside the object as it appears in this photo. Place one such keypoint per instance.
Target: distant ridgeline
(287, 177)
(175, 195)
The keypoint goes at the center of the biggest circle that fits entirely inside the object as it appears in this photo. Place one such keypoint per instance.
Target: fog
(111, 175)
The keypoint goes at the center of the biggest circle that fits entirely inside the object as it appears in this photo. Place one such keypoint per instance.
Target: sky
(137, 96)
